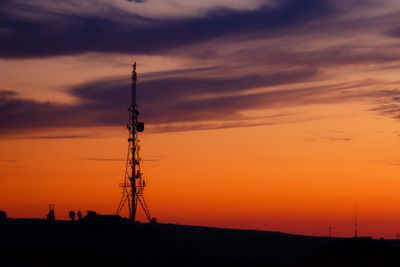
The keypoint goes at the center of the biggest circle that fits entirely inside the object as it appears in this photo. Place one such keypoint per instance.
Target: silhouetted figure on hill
(3, 215)
(51, 215)
(79, 214)
(72, 215)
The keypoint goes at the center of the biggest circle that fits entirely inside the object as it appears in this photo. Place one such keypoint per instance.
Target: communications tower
(134, 183)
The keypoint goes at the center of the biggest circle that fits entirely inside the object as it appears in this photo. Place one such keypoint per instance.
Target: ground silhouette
(113, 241)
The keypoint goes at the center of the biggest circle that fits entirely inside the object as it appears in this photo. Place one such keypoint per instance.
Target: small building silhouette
(94, 218)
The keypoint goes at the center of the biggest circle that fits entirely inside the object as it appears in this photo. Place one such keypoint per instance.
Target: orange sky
(286, 127)
(296, 177)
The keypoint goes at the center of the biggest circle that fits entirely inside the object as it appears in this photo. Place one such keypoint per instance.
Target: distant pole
(355, 222)
(134, 182)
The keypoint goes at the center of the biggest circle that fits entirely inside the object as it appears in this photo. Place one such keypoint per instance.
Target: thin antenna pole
(132, 141)
(355, 222)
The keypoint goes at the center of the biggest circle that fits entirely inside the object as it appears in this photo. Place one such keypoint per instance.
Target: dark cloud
(394, 32)
(121, 32)
(179, 99)
(191, 101)
(16, 113)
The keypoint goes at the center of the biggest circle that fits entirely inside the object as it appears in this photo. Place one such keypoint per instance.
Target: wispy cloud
(193, 102)
(387, 162)
(118, 159)
(331, 138)
(9, 160)
(387, 103)
(64, 33)
(102, 159)
(74, 136)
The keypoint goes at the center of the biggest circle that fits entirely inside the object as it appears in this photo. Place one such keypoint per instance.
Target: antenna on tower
(134, 183)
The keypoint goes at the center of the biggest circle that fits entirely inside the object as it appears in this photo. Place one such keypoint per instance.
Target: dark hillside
(112, 241)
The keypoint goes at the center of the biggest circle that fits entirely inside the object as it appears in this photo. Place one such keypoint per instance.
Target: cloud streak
(8, 160)
(178, 103)
(388, 103)
(330, 138)
(116, 159)
(102, 159)
(51, 33)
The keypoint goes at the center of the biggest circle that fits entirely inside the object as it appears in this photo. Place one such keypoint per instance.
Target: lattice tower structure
(134, 182)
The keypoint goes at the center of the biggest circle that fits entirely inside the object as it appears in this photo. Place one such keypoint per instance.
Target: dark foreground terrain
(103, 241)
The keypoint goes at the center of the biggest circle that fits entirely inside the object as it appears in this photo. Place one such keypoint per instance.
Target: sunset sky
(278, 115)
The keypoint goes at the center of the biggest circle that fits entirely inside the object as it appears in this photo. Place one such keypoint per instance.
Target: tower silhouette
(134, 183)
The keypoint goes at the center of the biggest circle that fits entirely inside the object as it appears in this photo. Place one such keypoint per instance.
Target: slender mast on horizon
(134, 183)
(355, 222)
